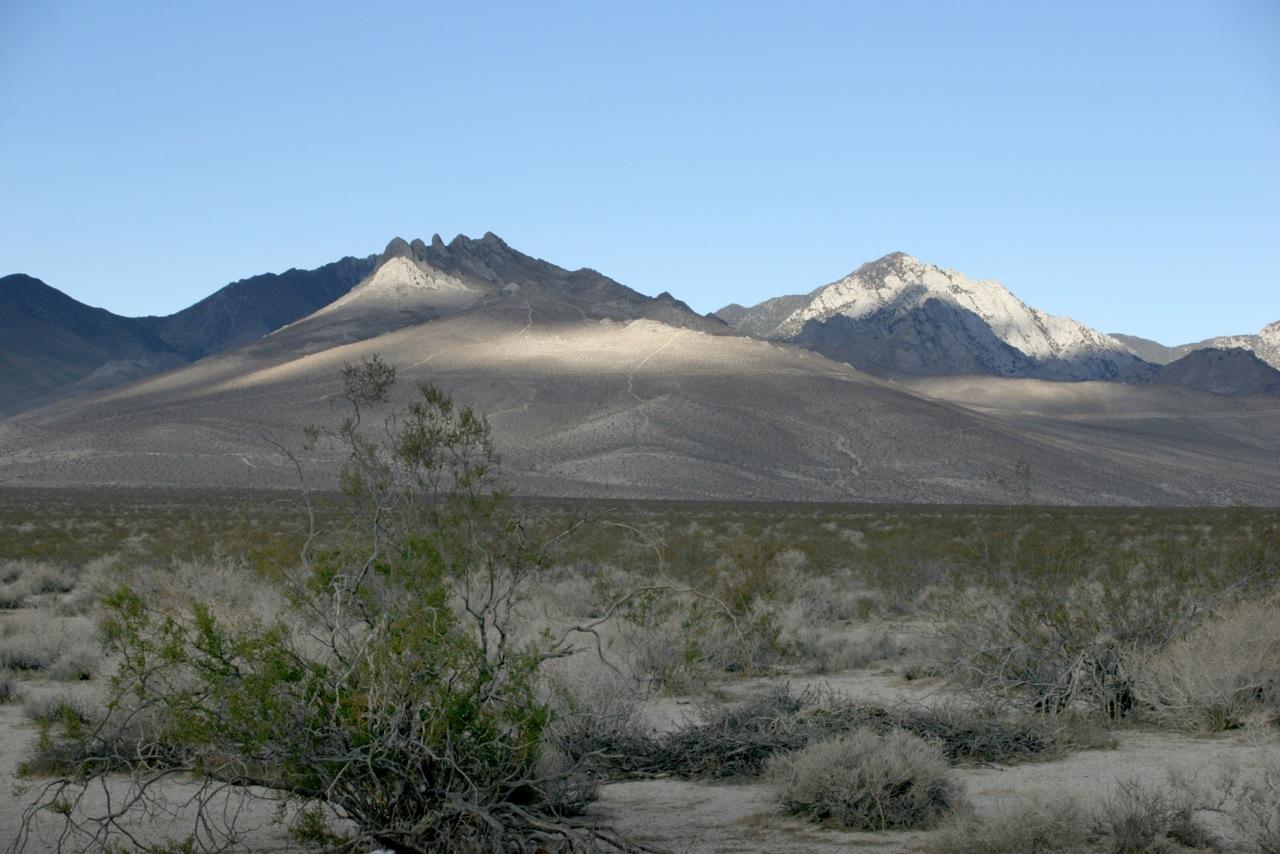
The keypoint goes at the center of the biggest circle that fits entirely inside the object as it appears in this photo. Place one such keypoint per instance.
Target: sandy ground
(253, 817)
(713, 817)
(707, 818)
(702, 818)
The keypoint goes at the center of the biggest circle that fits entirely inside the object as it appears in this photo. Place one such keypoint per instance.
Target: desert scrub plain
(418, 665)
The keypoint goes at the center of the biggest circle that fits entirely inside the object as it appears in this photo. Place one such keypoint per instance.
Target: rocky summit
(900, 315)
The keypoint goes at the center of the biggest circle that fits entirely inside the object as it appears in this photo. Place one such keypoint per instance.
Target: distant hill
(49, 341)
(1266, 344)
(53, 346)
(1230, 371)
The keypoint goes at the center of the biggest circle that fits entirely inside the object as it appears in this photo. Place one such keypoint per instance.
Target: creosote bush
(866, 780)
(393, 688)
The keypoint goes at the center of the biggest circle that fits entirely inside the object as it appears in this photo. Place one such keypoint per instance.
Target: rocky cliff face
(898, 314)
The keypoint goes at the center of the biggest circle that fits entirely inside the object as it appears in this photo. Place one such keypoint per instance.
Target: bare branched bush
(868, 781)
(1053, 619)
(1054, 648)
(1215, 678)
(739, 740)
(388, 682)
(1142, 817)
(597, 716)
(1251, 803)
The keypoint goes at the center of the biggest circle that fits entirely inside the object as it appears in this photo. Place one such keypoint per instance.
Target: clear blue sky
(1116, 162)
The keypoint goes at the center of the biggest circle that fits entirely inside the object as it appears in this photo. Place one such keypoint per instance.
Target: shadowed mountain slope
(246, 310)
(49, 341)
(1148, 350)
(53, 346)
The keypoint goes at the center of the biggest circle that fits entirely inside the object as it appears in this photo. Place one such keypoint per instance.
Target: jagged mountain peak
(900, 314)
(415, 281)
(398, 247)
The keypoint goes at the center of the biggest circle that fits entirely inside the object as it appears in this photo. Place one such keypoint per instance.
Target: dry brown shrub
(1215, 678)
(866, 780)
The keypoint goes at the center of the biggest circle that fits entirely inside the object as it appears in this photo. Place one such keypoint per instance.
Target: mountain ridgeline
(596, 390)
(895, 316)
(52, 346)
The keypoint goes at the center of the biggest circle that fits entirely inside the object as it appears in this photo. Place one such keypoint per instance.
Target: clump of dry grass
(77, 662)
(1033, 826)
(866, 780)
(58, 706)
(818, 645)
(1138, 818)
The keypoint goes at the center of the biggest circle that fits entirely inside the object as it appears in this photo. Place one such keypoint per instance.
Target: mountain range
(1265, 344)
(52, 346)
(899, 382)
